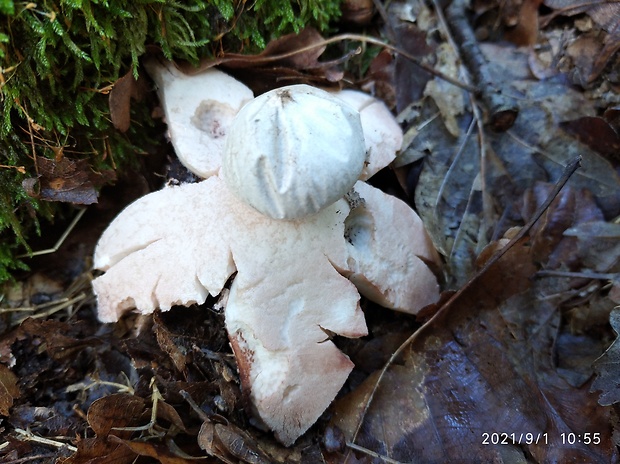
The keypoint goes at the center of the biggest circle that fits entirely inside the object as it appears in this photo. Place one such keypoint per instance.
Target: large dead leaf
(483, 371)
(60, 340)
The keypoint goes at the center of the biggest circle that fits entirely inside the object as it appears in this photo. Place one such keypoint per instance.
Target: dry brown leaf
(125, 89)
(380, 78)
(230, 444)
(62, 341)
(523, 30)
(484, 367)
(117, 410)
(9, 390)
(161, 453)
(571, 208)
(611, 45)
(167, 344)
(99, 451)
(168, 413)
(412, 37)
(605, 13)
(67, 180)
(358, 12)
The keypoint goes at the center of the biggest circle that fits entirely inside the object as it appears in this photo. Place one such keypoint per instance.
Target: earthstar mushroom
(295, 269)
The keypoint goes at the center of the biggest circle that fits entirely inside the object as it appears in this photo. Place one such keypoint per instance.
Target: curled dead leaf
(230, 444)
(124, 90)
(66, 180)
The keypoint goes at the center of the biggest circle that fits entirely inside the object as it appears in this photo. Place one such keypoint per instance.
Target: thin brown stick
(568, 172)
(368, 452)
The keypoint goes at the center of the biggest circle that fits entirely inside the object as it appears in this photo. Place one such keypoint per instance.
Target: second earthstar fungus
(299, 276)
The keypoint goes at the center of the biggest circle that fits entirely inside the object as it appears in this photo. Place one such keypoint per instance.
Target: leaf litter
(514, 353)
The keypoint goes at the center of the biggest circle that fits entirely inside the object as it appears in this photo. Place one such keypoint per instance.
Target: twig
(152, 424)
(361, 449)
(36, 457)
(382, 10)
(580, 275)
(478, 119)
(60, 241)
(201, 414)
(502, 109)
(568, 172)
(29, 436)
(59, 305)
(453, 164)
(95, 382)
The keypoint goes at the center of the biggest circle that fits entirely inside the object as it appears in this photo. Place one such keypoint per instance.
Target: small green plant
(58, 59)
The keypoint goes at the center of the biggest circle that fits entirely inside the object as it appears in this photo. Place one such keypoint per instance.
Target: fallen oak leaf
(596, 133)
(9, 390)
(166, 342)
(114, 411)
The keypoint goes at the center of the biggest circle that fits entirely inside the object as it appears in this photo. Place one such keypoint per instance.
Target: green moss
(58, 56)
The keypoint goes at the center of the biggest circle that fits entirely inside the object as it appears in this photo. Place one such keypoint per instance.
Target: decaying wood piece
(502, 110)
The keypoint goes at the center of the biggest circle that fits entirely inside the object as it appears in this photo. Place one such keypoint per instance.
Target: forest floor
(518, 185)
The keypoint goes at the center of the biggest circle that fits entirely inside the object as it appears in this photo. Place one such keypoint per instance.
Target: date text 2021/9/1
(505, 438)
